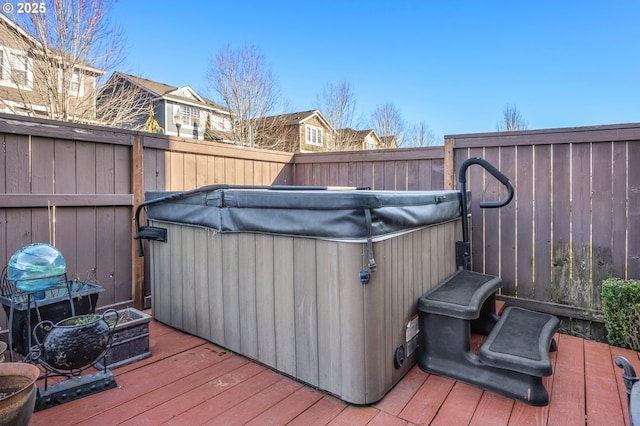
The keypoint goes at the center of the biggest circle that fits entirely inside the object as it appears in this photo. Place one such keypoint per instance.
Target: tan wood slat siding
(187, 278)
(266, 302)
(201, 298)
(247, 284)
(305, 308)
(215, 303)
(330, 317)
(297, 304)
(284, 293)
(230, 292)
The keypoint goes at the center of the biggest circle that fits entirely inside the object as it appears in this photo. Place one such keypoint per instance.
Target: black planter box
(55, 306)
(130, 339)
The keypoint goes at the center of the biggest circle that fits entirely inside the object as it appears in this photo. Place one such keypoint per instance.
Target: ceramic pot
(17, 392)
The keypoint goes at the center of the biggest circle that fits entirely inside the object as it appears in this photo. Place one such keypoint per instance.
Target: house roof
(183, 94)
(31, 39)
(297, 118)
(352, 134)
(16, 27)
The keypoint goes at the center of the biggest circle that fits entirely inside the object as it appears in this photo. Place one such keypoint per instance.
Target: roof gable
(184, 94)
(299, 118)
(153, 87)
(15, 27)
(352, 134)
(187, 93)
(31, 41)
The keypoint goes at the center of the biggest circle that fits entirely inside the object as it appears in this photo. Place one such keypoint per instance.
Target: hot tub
(318, 284)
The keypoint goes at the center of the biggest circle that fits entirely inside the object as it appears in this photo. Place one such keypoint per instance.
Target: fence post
(137, 183)
(449, 165)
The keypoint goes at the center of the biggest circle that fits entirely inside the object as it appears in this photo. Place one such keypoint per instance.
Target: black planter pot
(75, 342)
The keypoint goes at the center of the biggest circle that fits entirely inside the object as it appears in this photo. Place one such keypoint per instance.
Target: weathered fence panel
(175, 165)
(71, 190)
(405, 169)
(575, 214)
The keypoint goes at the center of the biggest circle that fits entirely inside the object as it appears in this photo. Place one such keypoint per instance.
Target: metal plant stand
(67, 349)
(63, 349)
(28, 300)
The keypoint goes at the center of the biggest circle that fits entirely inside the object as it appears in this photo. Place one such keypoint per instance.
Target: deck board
(196, 396)
(460, 405)
(568, 386)
(492, 410)
(190, 381)
(601, 394)
(424, 406)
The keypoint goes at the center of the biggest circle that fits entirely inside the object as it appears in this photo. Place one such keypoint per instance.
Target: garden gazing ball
(36, 267)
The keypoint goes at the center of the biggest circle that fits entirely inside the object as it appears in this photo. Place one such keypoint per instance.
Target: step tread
(520, 342)
(460, 295)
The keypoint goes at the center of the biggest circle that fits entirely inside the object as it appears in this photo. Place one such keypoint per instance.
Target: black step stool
(515, 355)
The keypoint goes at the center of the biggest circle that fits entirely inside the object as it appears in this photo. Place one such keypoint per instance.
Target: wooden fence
(574, 220)
(70, 187)
(77, 187)
(404, 169)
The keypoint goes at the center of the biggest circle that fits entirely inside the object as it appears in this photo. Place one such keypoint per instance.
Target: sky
(453, 65)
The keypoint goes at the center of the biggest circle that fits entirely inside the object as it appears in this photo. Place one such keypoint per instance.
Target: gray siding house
(180, 111)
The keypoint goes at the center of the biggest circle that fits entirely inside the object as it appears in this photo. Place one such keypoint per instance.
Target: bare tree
(388, 123)
(246, 86)
(72, 46)
(511, 120)
(421, 135)
(338, 104)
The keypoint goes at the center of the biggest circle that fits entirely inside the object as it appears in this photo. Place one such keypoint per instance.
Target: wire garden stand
(65, 349)
(26, 300)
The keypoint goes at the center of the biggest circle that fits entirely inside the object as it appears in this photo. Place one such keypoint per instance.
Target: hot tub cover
(328, 214)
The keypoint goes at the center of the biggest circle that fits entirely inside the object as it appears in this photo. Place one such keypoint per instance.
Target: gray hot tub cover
(344, 215)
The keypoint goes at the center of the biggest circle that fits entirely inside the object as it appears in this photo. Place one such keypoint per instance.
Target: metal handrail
(462, 179)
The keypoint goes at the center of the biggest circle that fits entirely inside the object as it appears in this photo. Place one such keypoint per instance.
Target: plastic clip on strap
(372, 262)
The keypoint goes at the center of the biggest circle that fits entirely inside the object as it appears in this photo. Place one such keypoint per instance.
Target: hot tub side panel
(296, 304)
(408, 266)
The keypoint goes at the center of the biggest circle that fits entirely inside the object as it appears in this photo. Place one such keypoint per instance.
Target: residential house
(31, 79)
(305, 131)
(358, 140)
(180, 111)
(390, 142)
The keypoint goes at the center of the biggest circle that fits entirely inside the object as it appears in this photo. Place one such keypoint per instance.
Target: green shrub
(621, 306)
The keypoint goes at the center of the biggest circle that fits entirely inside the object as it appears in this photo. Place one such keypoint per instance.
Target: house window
(76, 83)
(15, 69)
(190, 115)
(314, 135)
(20, 69)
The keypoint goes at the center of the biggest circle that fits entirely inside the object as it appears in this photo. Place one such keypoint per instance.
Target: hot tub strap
(372, 262)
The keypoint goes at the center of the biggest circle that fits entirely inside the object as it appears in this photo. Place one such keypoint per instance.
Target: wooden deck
(189, 381)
